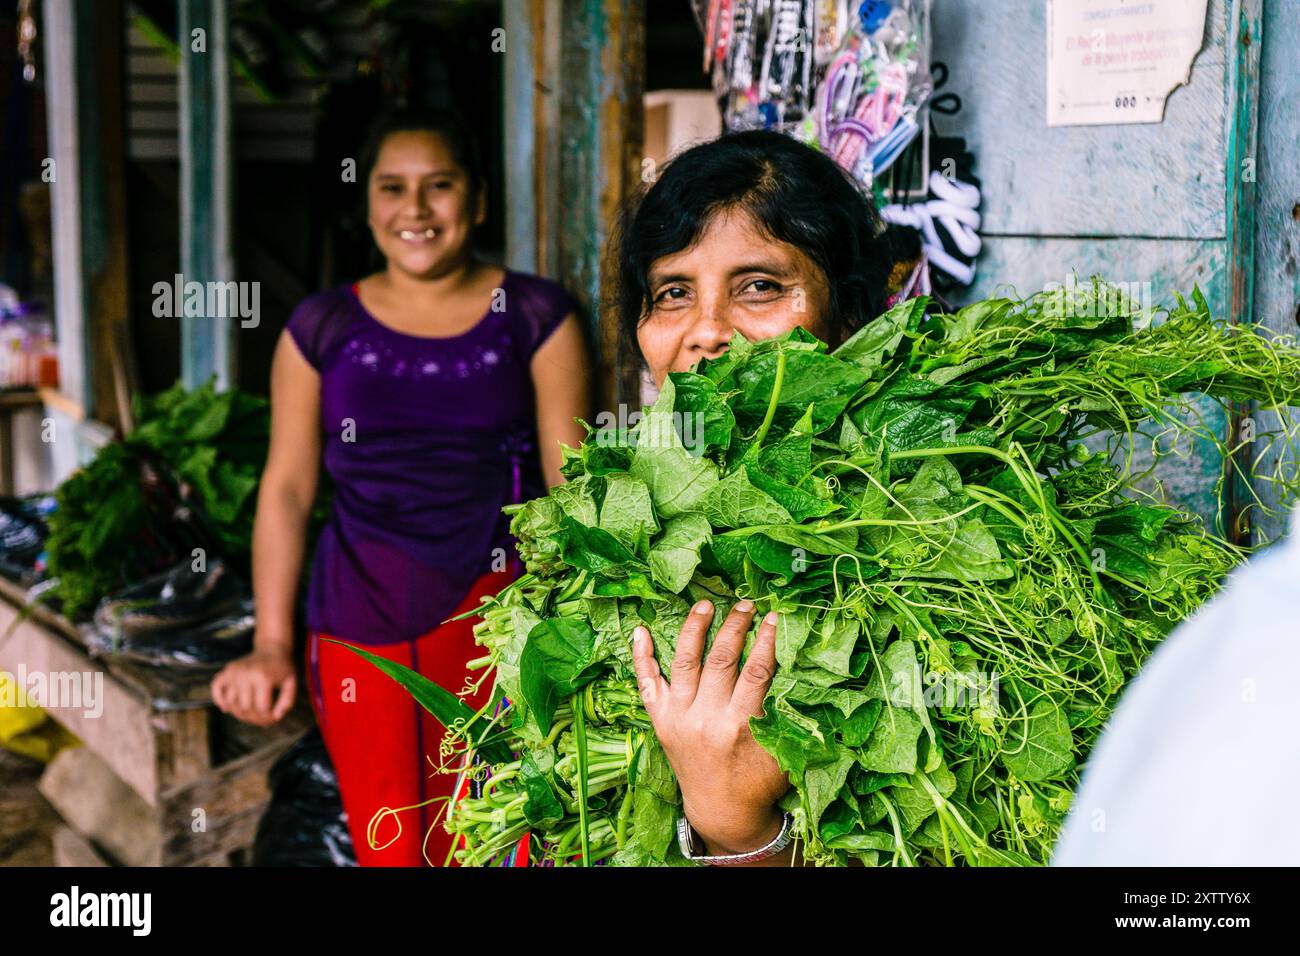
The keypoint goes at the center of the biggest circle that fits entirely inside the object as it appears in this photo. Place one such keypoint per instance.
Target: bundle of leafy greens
(184, 477)
(967, 574)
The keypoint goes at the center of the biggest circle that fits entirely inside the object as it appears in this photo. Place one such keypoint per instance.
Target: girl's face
(421, 207)
(734, 279)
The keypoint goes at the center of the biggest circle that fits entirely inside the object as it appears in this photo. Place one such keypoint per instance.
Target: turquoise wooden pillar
(519, 117)
(574, 80)
(207, 342)
(1276, 210)
(1241, 108)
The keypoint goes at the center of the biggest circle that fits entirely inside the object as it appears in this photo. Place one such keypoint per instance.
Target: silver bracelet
(686, 840)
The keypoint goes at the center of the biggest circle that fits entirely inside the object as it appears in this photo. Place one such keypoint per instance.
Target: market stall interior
(156, 147)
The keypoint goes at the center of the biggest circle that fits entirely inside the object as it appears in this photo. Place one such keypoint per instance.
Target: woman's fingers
(649, 681)
(718, 678)
(690, 650)
(756, 675)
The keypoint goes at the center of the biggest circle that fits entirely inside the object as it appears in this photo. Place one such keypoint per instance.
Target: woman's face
(734, 279)
(421, 207)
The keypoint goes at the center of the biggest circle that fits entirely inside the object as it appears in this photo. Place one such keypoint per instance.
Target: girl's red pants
(384, 745)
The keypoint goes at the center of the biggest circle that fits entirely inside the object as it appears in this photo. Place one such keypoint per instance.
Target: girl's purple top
(425, 439)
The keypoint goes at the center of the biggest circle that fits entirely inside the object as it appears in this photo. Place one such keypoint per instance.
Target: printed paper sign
(1117, 61)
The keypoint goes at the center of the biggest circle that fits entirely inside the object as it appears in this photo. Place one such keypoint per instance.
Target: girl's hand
(729, 783)
(246, 687)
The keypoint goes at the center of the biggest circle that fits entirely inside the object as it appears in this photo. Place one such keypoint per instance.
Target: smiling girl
(434, 391)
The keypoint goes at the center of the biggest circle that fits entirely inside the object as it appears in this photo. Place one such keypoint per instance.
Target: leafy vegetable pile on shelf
(965, 586)
(185, 477)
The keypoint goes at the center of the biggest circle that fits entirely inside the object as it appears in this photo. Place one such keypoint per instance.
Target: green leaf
(595, 550)
(1041, 747)
(792, 630)
(446, 708)
(627, 513)
(676, 554)
(654, 802)
(543, 808)
(830, 646)
(706, 420)
(871, 345)
(559, 657)
(577, 499)
(735, 503)
(811, 379)
(678, 481)
(822, 784)
(892, 746)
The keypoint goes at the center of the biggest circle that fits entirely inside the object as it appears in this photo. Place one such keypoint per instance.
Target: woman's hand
(730, 785)
(245, 688)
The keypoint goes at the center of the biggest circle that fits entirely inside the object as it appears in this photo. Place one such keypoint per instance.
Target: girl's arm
(561, 371)
(259, 689)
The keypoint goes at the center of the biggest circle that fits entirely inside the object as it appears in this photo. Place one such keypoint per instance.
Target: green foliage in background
(185, 477)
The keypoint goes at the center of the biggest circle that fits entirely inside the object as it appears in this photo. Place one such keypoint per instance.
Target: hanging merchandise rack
(853, 78)
(850, 78)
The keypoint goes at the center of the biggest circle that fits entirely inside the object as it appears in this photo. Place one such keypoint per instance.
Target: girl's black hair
(448, 125)
(795, 194)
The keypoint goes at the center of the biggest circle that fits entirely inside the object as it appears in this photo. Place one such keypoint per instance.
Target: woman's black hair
(795, 195)
(448, 125)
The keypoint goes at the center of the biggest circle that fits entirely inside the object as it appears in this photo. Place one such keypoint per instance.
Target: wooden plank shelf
(196, 777)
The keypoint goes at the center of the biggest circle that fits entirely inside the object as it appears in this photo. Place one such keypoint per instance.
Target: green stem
(580, 737)
(771, 402)
(624, 815)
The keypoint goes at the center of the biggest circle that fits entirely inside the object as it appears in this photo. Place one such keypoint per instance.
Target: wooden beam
(84, 68)
(520, 139)
(602, 62)
(1277, 243)
(69, 74)
(207, 342)
(233, 798)
(1245, 42)
(587, 60)
(114, 380)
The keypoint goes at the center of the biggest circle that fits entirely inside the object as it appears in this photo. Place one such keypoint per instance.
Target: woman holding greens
(752, 233)
(434, 391)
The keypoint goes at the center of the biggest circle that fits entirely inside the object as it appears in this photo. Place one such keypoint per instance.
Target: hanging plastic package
(875, 86)
(762, 57)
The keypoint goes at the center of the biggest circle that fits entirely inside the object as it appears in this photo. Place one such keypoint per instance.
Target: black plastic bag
(22, 537)
(181, 618)
(305, 824)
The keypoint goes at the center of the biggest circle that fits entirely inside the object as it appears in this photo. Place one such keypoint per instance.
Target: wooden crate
(157, 736)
